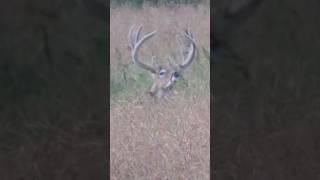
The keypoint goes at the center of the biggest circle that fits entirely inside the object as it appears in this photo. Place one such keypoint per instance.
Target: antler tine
(189, 49)
(136, 42)
(130, 31)
(130, 38)
(138, 33)
(180, 46)
(189, 35)
(145, 37)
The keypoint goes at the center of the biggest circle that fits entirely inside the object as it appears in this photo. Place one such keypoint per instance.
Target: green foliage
(128, 81)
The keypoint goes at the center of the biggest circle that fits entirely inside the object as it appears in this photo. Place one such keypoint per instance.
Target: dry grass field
(164, 140)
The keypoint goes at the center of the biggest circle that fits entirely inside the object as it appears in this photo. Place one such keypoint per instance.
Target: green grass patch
(129, 81)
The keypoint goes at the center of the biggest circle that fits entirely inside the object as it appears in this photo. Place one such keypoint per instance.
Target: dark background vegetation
(53, 90)
(266, 83)
(139, 3)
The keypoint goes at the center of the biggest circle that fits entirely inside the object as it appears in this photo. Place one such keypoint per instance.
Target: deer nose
(176, 75)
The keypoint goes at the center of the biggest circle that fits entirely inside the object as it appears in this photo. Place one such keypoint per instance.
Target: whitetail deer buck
(163, 77)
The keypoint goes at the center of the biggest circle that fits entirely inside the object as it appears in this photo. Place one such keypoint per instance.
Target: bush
(138, 3)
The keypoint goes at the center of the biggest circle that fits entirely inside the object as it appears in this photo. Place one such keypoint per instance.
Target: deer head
(164, 77)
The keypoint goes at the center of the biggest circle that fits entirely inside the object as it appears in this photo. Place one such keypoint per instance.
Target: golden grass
(163, 140)
(168, 22)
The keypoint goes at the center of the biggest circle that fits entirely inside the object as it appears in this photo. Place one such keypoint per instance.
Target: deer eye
(162, 72)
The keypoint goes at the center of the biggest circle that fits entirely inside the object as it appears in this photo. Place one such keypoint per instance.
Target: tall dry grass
(164, 140)
(167, 21)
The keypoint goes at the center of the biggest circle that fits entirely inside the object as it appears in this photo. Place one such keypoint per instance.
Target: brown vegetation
(167, 139)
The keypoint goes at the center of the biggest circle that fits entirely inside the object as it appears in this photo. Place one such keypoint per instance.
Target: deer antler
(135, 43)
(187, 48)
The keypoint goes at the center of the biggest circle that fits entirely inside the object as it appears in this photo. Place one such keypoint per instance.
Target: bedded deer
(164, 77)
